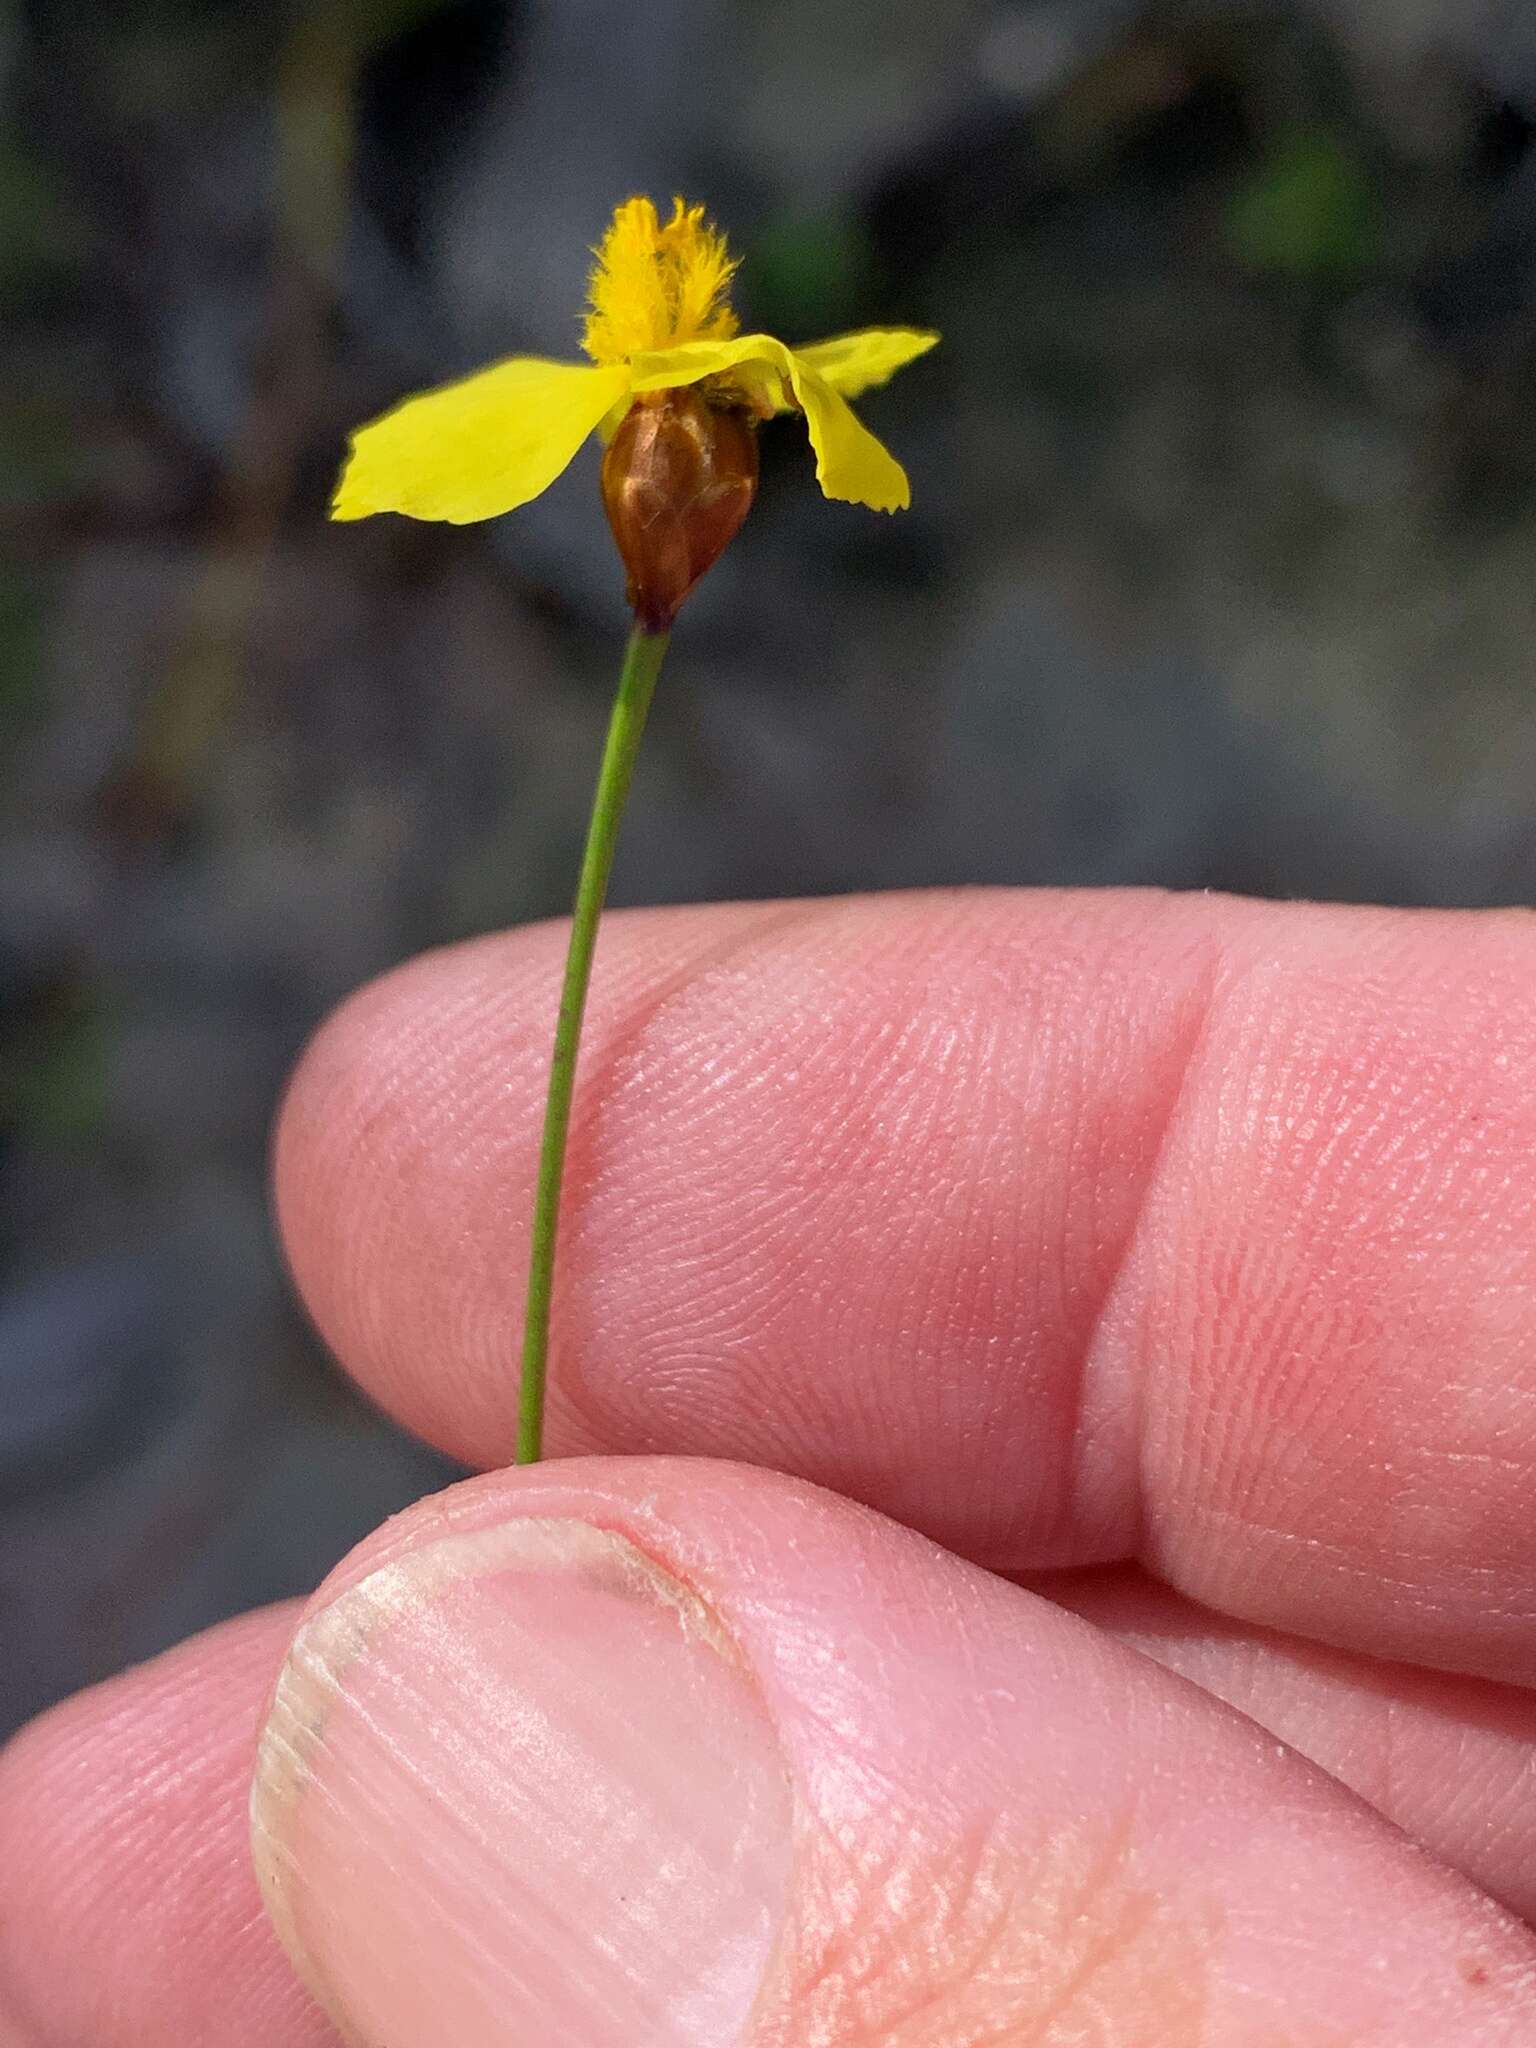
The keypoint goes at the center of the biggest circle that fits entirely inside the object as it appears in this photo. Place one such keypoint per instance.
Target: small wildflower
(676, 394)
(662, 337)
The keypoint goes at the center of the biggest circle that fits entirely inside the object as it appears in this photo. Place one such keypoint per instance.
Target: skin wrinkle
(772, 1220)
(898, 1120)
(1041, 1025)
(1375, 1576)
(1464, 1750)
(604, 1069)
(601, 1081)
(840, 1975)
(1410, 1174)
(1040, 1947)
(1209, 991)
(1202, 1438)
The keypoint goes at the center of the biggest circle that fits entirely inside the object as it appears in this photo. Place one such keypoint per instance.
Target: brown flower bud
(678, 479)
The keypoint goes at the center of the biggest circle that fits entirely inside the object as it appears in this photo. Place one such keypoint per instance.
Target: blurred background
(1221, 573)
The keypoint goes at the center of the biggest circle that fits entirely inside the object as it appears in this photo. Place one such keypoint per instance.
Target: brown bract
(678, 479)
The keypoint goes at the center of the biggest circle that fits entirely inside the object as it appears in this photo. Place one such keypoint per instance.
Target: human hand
(1179, 1253)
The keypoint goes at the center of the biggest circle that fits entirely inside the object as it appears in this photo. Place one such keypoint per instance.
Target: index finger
(1066, 1227)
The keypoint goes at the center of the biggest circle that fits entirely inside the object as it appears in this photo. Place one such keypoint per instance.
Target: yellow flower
(659, 320)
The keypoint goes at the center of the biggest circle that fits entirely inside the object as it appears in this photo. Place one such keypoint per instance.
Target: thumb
(518, 1785)
(661, 1754)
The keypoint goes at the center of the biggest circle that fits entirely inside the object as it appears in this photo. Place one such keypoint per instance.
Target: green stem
(637, 679)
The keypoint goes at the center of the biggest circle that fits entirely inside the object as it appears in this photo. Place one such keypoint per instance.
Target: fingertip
(793, 1182)
(129, 1915)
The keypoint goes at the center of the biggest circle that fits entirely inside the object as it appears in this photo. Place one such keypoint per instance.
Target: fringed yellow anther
(656, 284)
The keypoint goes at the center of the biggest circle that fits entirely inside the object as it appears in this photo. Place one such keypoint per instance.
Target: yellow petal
(850, 463)
(667, 369)
(474, 449)
(852, 363)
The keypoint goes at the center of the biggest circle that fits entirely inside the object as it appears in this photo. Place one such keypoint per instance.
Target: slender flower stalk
(637, 680)
(676, 395)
